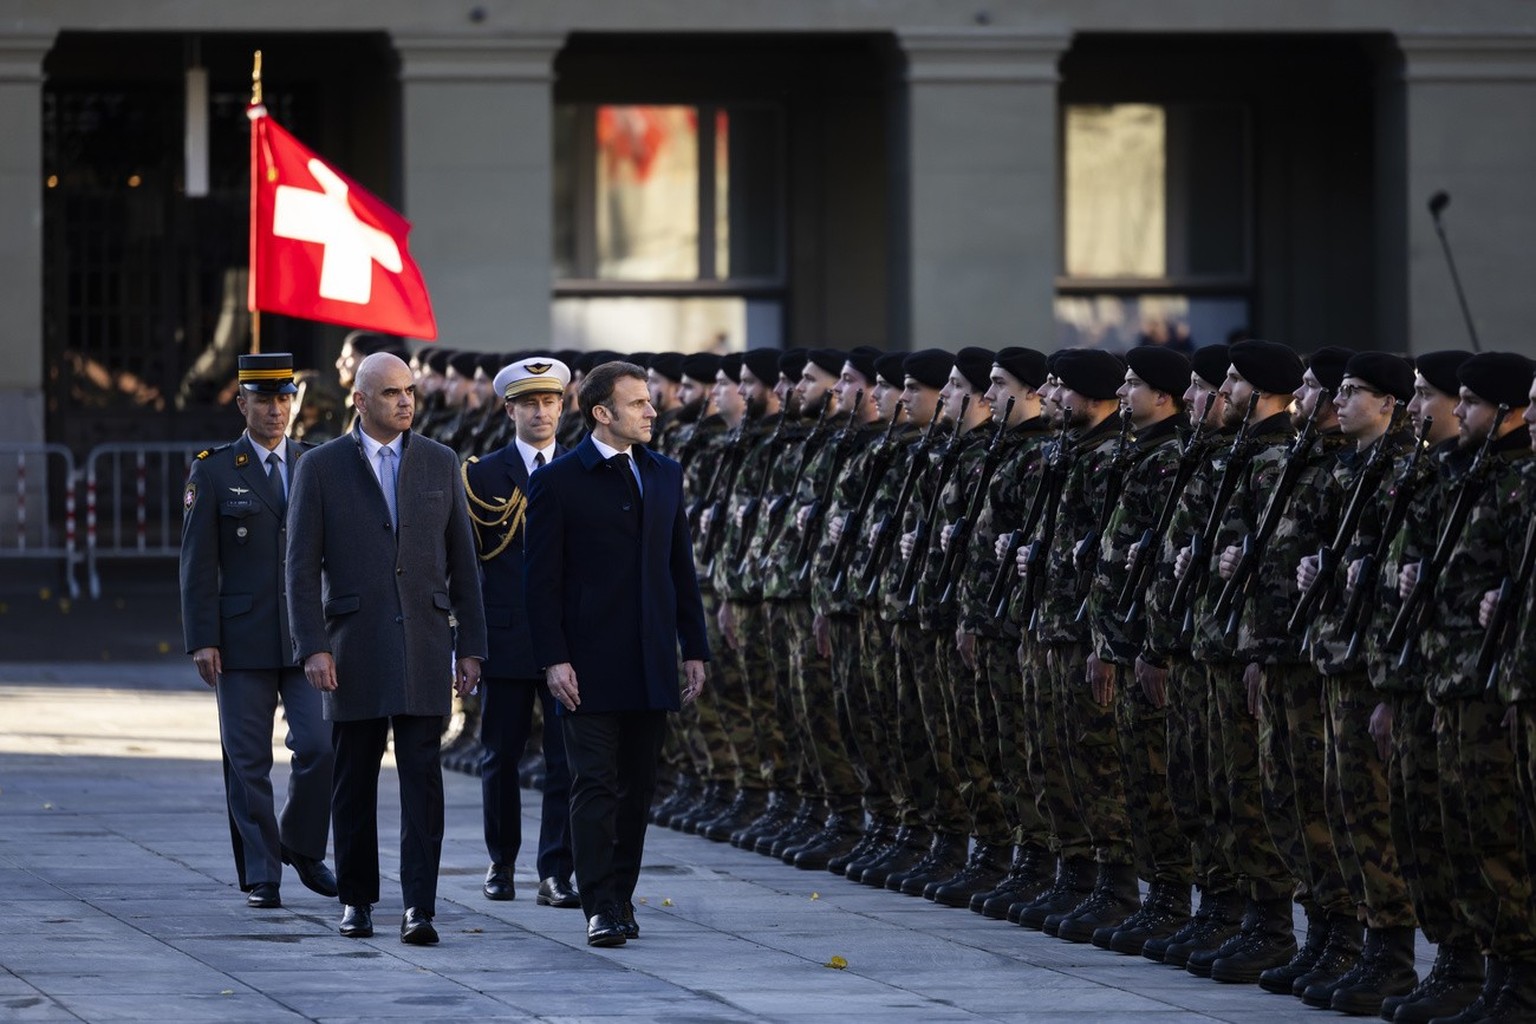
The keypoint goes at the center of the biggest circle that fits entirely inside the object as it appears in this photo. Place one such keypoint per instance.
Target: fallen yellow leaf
(47, 807)
(815, 895)
(642, 901)
(837, 963)
(666, 902)
(163, 647)
(226, 992)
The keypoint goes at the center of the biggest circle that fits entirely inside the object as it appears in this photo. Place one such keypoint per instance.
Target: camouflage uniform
(1000, 706)
(1355, 776)
(1479, 800)
(1161, 852)
(1516, 670)
(1086, 734)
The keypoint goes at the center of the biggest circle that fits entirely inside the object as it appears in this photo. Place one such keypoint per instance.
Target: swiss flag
(323, 247)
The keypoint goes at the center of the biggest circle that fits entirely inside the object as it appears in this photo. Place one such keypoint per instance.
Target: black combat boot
(1280, 979)
(877, 832)
(1032, 870)
(1164, 911)
(1269, 943)
(982, 872)
(1389, 973)
(1319, 993)
(1074, 881)
(685, 788)
(945, 858)
(1477, 1009)
(839, 834)
(1516, 1001)
(796, 813)
(741, 812)
(775, 814)
(908, 846)
(1340, 954)
(806, 823)
(1450, 986)
(1116, 896)
(715, 798)
(1220, 918)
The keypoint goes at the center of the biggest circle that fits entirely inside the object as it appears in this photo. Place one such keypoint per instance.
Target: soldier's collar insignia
(242, 459)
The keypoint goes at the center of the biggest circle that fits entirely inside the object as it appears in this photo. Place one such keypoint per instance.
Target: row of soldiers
(1015, 632)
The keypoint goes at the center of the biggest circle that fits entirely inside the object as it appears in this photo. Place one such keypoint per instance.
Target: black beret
(1503, 378)
(764, 364)
(366, 343)
(1050, 361)
(1210, 363)
(464, 363)
(792, 363)
(1269, 366)
(730, 365)
(829, 359)
(490, 363)
(641, 359)
(1384, 371)
(437, 359)
(1091, 372)
(1327, 365)
(890, 367)
(1439, 368)
(863, 359)
(668, 365)
(1025, 364)
(1162, 368)
(569, 356)
(701, 366)
(928, 366)
(590, 361)
(975, 365)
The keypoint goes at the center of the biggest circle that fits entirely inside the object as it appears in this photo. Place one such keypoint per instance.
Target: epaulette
(209, 451)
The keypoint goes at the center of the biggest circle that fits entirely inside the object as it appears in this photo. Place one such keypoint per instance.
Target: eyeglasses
(1348, 391)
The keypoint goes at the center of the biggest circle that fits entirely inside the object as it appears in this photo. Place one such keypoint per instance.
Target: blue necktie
(387, 482)
(278, 478)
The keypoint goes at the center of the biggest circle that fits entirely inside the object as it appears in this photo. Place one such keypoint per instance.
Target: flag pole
(256, 110)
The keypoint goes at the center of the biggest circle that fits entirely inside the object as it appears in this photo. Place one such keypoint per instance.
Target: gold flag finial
(256, 80)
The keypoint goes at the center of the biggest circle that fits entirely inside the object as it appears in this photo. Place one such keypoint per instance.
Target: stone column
(21, 236)
(1470, 107)
(982, 203)
(477, 152)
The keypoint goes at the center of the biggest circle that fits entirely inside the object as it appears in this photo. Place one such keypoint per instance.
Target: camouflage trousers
(1417, 830)
(970, 742)
(1000, 707)
(1524, 742)
(720, 724)
(1054, 794)
(816, 710)
(1479, 808)
(1302, 803)
(1162, 852)
(796, 776)
(1237, 782)
(1356, 781)
(1188, 724)
(930, 774)
(855, 715)
(759, 729)
(879, 678)
(1090, 747)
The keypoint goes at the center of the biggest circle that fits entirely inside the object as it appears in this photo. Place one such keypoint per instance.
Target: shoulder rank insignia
(190, 497)
(242, 459)
(203, 454)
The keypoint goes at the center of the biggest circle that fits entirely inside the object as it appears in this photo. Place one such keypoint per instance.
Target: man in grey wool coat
(381, 564)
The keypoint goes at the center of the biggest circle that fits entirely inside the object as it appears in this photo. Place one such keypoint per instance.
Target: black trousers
(355, 807)
(506, 718)
(613, 777)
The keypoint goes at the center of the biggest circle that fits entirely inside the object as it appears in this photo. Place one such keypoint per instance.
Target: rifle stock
(879, 464)
(884, 541)
(1182, 604)
(960, 536)
(922, 537)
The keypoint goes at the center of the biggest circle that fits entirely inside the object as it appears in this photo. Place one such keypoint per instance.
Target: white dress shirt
(530, 453)
(608, 452)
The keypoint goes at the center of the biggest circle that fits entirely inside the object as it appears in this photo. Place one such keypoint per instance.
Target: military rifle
(874, 472)
(886, 530)
(754, 505)
(960, 536)
(1042, 507)
(922, 536)
(1234, 596)
(731, 470)
(1182, 604)
(1320, 595)
(1512, 593)
(816, 511)
(1148, 547)
(733, 444)
(1085, 556)
(1404, 490)
(1410, 617)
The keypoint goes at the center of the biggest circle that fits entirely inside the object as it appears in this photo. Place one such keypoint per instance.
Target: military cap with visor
(267, 373)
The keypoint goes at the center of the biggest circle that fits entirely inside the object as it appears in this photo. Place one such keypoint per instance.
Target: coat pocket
(231, 605)
(344, 605)
(440, 600)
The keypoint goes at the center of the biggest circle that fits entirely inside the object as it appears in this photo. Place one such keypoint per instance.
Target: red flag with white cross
(325, 248)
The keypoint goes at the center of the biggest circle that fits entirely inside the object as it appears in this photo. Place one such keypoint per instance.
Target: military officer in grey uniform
(235, 617)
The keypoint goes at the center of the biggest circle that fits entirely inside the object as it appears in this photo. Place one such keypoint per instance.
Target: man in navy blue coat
(612, 594)
(533, 389)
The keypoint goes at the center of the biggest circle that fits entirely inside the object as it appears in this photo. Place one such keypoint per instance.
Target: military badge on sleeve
(188, 499)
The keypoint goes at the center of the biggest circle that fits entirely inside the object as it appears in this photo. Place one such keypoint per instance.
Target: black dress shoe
(416, 929)
(554, 893)
(604, 929)
(357, 922)
(498, 883)
(317, 878)
(627, 922)
(264, 896)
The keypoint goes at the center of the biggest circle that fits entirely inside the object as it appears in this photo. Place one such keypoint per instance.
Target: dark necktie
(622, 464)
(277, 478)
(538, 460)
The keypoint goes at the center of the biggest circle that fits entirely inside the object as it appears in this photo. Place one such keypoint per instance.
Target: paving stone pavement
(120, 904)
